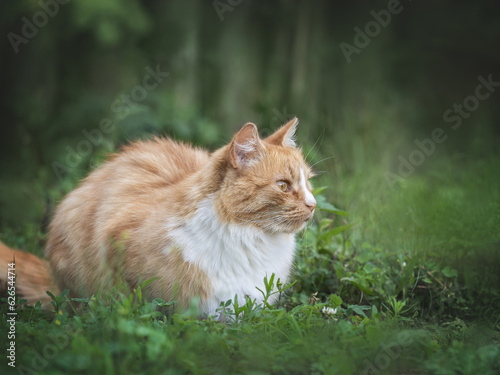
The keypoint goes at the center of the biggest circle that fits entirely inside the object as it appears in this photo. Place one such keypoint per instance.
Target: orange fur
(33, 278)
(115, 223)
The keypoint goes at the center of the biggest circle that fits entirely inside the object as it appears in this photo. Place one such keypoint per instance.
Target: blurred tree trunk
(184, 63)
(300, 55)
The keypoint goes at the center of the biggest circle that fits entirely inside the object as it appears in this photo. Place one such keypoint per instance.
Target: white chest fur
(235, 257)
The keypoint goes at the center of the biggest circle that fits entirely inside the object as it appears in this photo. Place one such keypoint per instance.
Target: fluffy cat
(207, 225)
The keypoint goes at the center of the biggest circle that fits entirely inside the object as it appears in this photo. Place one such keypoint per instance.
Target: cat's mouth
(301, 223)
(309, 217)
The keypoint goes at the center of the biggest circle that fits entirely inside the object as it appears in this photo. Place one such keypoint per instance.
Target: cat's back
(139, 174)
(159, 160)
(118, 198)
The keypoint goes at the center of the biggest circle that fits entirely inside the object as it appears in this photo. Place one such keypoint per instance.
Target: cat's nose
(310, 202)
(311, 206)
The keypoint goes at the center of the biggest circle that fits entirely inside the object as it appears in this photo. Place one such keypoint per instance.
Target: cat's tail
(32, 276)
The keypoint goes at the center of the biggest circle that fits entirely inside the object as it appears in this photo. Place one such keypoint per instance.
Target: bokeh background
(228, 64)
(407, 237)
(73, 90)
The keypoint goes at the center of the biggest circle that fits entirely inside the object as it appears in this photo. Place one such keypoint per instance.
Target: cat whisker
(254, 212)
(260, 218)
(304, 233)
(324, 172)
(322, 160)
(321, 136)
(259, 221)
(266, 216)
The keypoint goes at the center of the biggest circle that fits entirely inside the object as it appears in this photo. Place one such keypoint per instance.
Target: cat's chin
(295, 228)
(303, 224)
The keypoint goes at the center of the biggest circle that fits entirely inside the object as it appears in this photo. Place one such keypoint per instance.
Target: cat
(206, 225)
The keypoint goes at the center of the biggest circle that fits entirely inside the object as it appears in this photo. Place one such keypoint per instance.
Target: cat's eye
(283, 185)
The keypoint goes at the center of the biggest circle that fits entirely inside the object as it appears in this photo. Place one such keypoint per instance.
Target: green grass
(410, 275)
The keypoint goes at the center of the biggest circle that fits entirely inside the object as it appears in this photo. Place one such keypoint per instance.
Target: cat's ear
(284, 136)
(246, 147)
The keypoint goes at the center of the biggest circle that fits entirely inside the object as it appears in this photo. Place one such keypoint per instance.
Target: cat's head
(266, 184)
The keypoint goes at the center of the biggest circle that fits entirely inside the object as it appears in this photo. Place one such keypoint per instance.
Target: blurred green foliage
(262, 62)
(418, 257)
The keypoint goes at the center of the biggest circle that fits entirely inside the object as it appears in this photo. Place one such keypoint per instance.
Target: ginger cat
(208, 225)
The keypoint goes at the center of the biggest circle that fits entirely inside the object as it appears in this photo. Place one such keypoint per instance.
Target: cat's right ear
(246, 147)
(284, 136)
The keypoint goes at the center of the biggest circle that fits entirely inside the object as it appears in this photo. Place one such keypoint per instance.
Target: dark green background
(262, 62)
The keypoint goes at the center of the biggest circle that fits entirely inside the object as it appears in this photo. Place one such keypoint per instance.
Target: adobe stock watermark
(455, 116)
(387, 354)
(48, 9)
(224, 6)
(121, 107)
(372, 29)
(11, 313)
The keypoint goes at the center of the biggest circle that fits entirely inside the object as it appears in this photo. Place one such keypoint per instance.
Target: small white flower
(404, 264)
(329, 311)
